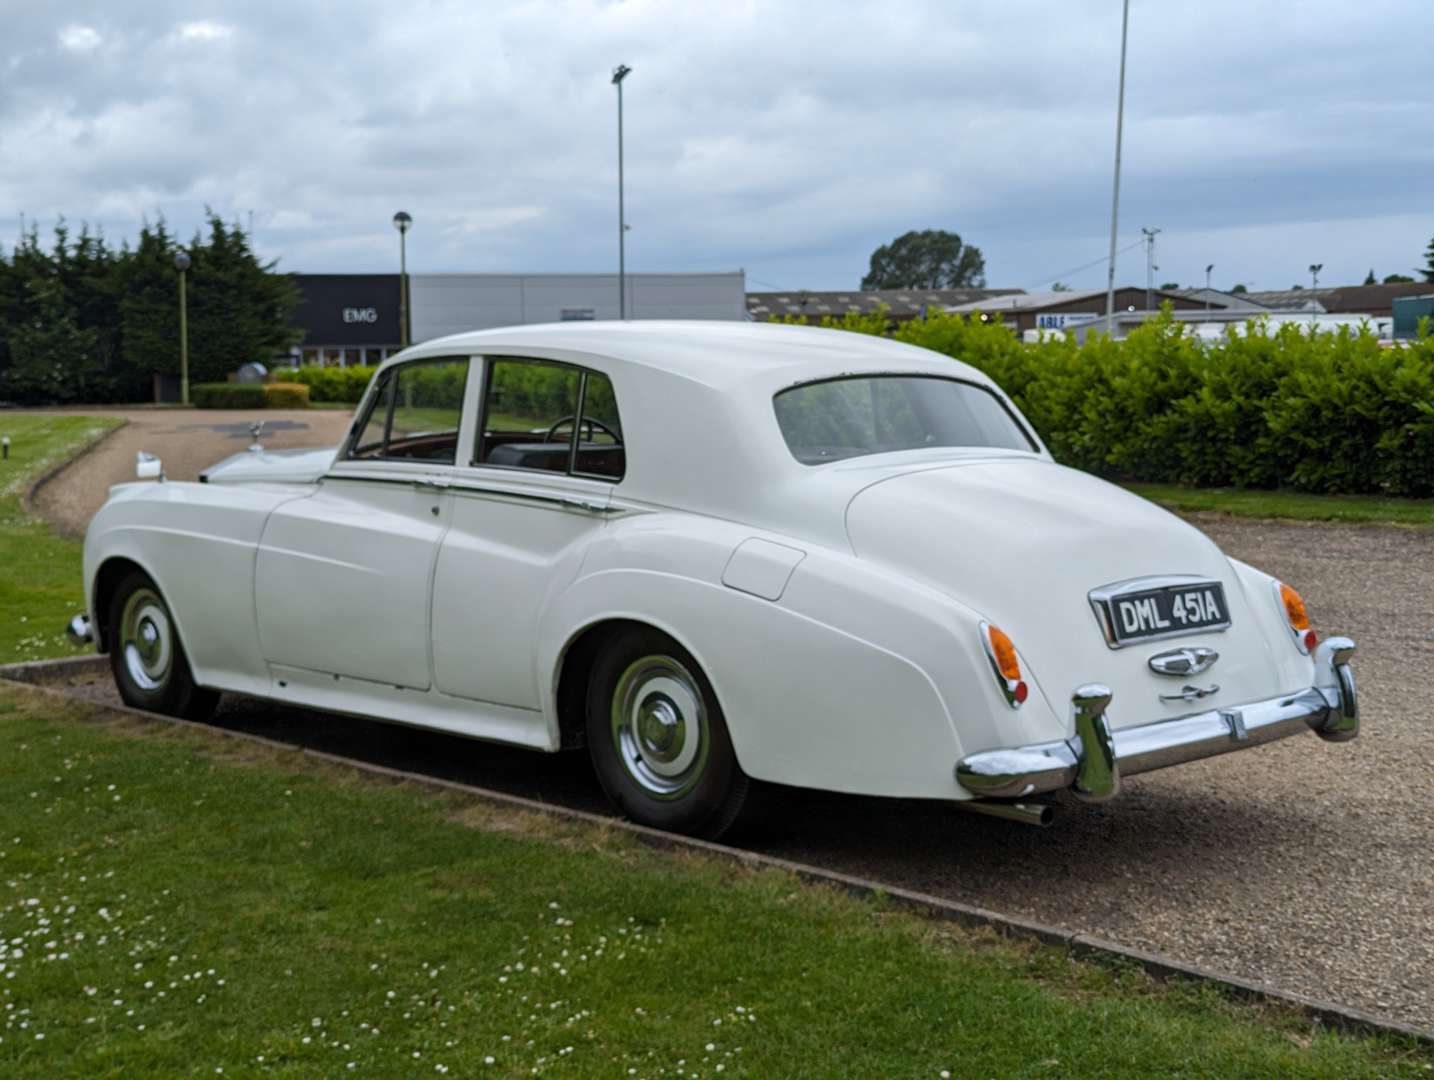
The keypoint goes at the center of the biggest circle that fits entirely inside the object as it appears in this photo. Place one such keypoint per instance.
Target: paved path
(1303, 864)
(187, 440)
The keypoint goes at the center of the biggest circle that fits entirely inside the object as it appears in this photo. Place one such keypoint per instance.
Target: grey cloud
(790, 138)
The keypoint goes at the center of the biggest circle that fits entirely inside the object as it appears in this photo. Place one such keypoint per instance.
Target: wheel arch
(107, 579)
(575, 663)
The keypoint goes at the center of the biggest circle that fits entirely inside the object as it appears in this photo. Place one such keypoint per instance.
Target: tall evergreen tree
(52, 357)
(239, 309)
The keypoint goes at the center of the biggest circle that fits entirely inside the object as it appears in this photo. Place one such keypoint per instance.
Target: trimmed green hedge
(286, 395)
(1335, 413)
(332, 384)
(225, 395)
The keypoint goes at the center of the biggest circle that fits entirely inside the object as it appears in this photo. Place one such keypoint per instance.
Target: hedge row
(277, 395)
(333, 384)
(1333, 413)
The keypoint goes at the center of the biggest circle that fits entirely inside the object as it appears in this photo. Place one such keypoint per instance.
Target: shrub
(227, 395)
(1332, 413)
(332, 384)
(286, 395)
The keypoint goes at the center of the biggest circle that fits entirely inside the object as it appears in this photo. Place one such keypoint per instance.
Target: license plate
(1135, 611)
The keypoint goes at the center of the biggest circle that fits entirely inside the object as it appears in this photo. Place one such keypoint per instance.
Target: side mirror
(148, 467)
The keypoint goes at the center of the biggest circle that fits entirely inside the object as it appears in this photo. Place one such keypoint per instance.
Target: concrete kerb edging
(41, 677)
(27, 499)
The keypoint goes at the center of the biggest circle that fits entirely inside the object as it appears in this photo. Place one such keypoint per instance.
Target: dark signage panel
(348, 309)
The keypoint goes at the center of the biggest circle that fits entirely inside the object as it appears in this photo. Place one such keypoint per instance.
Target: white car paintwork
(835, 609)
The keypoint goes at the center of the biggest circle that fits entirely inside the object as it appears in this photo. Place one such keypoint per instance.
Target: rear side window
(550, 417)
(851, 417)
(414, 414)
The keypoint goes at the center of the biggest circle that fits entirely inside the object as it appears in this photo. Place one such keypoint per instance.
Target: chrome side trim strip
(570, 502)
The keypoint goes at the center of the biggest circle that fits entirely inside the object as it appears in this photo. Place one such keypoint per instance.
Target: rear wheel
(150, 667)
(658, 740)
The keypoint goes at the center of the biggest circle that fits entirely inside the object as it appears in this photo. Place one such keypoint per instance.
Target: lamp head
(619, 73)
(402, 220)
(181, 260)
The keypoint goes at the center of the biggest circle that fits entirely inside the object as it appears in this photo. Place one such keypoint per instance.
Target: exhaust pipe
(1037, 814)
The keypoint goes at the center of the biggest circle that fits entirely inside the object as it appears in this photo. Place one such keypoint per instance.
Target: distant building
(1376, 301)
(354, 318)
(1408, 310)
(1063, 310)
(901, 304)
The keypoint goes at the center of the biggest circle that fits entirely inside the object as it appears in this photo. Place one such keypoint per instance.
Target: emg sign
(360, 314)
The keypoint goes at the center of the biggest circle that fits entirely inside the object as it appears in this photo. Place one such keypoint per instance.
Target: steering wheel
(589, 423)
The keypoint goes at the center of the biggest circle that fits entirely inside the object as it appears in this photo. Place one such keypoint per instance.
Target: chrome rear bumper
(1092, 761)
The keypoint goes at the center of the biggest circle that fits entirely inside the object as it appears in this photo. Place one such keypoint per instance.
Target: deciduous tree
(926, 259)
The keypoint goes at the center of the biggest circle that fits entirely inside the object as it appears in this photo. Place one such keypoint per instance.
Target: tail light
(1005, 664)
(1298, 619)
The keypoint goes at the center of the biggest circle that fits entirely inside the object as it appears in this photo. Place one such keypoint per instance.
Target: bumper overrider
(1091, 762)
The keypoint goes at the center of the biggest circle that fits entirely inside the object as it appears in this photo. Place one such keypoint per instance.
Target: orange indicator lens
(1294, 608)
(1005, 652)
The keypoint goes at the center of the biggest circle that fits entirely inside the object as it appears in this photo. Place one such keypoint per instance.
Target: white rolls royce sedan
(712, 554)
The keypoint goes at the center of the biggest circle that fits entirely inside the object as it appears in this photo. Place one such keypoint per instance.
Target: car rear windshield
(873, 414)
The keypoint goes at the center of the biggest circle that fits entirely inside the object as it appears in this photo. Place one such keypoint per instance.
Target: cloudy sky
(787, 137)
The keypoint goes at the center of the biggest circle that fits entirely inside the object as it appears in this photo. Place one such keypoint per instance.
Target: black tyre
(658, 740)
(147, 658)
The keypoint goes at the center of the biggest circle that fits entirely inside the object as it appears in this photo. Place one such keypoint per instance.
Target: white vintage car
(711, 554)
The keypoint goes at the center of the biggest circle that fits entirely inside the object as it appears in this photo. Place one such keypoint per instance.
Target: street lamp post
(1207, 285)
(401, 221)
(181, 263)
(1315, 268)
(619, 73)
(1150, 267)
(1115, 195)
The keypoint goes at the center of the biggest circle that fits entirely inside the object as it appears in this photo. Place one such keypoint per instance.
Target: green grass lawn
(1290, 505)
(175, 904)
(40, 586)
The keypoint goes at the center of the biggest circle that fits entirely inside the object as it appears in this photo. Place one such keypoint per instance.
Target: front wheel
(658, 740)
(150, 667)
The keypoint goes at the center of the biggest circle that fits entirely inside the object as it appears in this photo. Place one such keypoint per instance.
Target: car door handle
(431, 485)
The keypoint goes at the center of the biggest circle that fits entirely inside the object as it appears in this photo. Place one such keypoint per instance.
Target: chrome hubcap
(146, 640)
(659, 726)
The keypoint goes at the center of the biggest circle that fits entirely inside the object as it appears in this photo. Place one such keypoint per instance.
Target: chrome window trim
(1101, 597)
(488, 364)
(385, 376)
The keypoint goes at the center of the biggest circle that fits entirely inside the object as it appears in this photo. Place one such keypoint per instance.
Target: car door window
(415, 413)
(540, 414)
(528, 413)
(600, 450)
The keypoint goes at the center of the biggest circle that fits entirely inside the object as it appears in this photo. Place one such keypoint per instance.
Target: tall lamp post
(619, 73)
(1207, 285)
(401, 221)
(1115, 195)
(1315, 268)
(181, 263)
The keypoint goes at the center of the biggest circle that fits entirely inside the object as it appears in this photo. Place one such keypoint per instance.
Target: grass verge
(40, 575)
(1290, 505)
(175, 904)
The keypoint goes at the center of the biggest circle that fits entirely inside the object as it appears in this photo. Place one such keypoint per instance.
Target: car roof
(719, 355)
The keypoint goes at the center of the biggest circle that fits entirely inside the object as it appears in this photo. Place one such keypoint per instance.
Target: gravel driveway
(187, 440)
(1306, 865)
